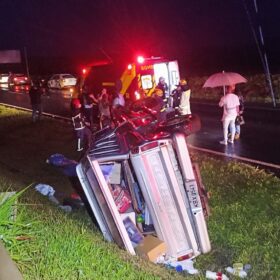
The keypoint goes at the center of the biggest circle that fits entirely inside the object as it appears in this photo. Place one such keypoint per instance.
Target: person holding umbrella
(230, 103)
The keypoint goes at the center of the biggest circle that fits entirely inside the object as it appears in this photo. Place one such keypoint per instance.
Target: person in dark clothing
(176, 97)
(160, 107)
(162, 85)
(87, 101)
(35, 100)
(239, 119)
(83, 133)
(90, 107)
(95, 111)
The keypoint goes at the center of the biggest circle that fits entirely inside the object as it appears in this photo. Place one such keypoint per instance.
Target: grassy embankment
(46, 243)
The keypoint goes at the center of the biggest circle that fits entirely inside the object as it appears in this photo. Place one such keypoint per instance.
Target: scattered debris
(247, 267)
(215, 275)
(239, 270)
(47, 190)
(23, 237)
(67, 166)
(180, 266)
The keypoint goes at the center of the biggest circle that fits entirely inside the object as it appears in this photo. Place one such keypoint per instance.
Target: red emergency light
(84, 71)
(129, 66)
(140, 59)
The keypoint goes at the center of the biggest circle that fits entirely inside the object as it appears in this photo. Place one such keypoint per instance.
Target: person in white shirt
(184, 106)
(230, 103)
(118, 98)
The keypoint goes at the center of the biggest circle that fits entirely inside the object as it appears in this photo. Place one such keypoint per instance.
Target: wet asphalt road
(260, 136)
(55, 102)
(259, 141)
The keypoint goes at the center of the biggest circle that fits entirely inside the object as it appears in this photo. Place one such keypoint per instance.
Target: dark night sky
(203, 35)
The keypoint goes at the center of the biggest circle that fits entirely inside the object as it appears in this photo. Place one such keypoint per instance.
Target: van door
(161, 70)
(174, 75)
(102, 203)
(169, 71)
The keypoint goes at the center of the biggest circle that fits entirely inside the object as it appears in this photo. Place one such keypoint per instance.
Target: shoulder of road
(252, 110)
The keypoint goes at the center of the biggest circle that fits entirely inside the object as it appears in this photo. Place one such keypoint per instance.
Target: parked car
(4, 78)
(62, 81)
(18, 80)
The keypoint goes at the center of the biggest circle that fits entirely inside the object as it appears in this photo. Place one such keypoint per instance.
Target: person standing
(162, 85)
(95, 110)
(175, 97)
(160, 107)
(118, 99)
(35, 100)
(104, 109)
(240, 116)
(185, 106)
(230, 103)
(83, 133)
(88, 103)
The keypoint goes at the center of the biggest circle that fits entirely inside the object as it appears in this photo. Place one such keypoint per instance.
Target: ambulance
(137, 80)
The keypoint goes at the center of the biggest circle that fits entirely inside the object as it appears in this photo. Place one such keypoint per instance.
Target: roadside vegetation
(47, 243)
(255, 90)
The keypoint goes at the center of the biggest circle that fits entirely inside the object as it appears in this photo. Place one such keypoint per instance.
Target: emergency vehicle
(138, 79)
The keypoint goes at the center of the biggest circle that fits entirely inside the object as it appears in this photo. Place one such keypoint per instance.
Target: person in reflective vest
(162, 85)
(158, 96)
(82, 132)
(175, 96)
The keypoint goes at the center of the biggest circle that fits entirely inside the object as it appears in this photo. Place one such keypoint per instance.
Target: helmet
(161, 79)
(183, 82)
(158, 92)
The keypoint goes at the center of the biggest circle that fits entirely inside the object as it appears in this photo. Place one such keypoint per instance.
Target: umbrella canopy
(224, 79)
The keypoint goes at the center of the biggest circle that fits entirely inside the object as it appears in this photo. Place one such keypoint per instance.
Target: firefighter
(88, 103)
(162, 85)
(175, 97)
(158, 95)
(185, 107)
(83, 133)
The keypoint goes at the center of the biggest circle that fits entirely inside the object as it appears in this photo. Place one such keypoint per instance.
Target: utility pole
(267, 72)
(26, 62)
(261, 48)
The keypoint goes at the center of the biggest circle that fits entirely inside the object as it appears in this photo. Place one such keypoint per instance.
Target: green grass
(46, 243)
(244, 225)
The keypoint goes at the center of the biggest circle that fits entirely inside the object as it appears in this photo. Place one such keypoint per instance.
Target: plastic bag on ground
(45, 190)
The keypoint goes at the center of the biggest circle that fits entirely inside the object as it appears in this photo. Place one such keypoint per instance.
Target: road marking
(236, 157)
